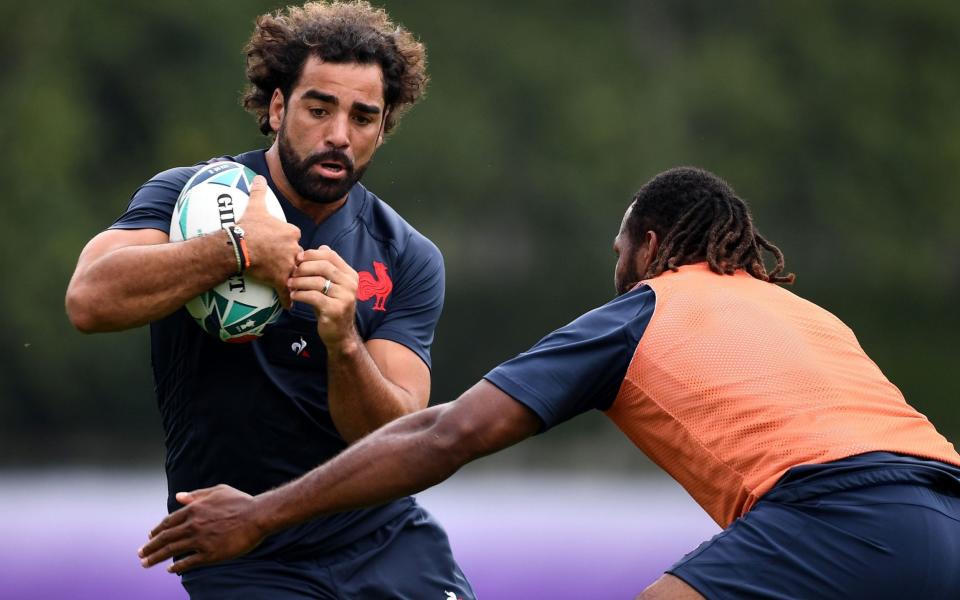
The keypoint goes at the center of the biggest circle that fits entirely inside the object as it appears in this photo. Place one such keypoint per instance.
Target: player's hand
(336, 308)
(216, 524)
(272, 244)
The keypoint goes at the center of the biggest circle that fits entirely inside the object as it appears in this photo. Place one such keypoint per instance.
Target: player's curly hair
(698, 217)
(337, 32)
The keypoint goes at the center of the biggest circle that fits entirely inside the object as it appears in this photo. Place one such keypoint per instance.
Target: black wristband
(235, 239)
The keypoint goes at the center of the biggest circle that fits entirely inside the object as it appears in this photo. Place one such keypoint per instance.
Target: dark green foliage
(837, 121)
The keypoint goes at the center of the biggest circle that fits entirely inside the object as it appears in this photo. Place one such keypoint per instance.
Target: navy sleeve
(581, 366)
(417, 300)
(151, 206)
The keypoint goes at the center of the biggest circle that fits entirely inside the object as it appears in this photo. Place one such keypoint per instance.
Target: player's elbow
(83, 310)
(455, 439)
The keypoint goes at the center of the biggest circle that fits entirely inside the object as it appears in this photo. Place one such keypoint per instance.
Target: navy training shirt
(255, 415)
(578, 367)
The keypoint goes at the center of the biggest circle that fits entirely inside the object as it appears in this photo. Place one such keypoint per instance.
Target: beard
(627, 284)
(626, 280)
(311, 186)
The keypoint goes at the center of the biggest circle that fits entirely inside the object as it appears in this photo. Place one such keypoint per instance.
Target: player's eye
(318, 112)
(362, 119)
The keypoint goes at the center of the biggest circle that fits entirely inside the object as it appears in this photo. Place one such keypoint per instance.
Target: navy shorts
(409, 558)
(863, 533)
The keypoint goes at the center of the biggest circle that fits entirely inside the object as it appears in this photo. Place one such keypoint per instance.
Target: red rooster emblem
(379, 285)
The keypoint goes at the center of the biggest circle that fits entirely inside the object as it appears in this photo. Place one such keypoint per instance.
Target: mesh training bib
(737, 380)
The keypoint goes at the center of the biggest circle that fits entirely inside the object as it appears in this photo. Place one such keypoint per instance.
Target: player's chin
(324, 190)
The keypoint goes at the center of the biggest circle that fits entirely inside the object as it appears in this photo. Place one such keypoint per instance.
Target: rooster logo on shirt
(378, 285)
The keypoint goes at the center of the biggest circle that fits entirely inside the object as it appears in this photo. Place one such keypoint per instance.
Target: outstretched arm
(404, 457)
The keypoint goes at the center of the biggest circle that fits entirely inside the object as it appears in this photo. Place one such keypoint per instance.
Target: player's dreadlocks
(698, 217)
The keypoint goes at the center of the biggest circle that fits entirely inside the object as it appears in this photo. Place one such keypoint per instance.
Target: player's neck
(317, 211)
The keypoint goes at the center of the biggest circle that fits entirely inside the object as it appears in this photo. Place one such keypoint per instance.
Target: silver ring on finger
(326, 288)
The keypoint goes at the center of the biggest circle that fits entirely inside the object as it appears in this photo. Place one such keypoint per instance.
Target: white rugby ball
(240, 308)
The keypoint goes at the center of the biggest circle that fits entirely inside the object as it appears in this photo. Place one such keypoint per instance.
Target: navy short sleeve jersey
(255, 415)
(578, 367)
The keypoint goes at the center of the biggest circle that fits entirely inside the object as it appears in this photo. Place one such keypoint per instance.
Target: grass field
(516, 535)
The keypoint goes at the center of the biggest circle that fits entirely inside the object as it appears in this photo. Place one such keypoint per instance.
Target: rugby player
(762, 405)
(327, 82)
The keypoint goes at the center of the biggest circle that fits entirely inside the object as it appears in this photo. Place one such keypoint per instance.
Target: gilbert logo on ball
(240, 308)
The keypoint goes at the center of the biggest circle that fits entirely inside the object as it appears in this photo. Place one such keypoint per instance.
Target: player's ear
(646, 251)
(276, 110)
(652, 243)
(383, 126)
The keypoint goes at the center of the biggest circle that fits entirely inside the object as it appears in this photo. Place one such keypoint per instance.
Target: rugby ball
(240, 308)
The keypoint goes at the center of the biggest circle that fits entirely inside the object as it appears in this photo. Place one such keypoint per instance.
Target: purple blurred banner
(74, 534)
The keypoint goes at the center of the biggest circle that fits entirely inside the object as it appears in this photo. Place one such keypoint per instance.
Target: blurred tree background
(838, 120)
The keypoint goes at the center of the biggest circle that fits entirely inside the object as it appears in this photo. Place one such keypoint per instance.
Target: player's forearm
(360, 398)
(402, 458)
(134, 285)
